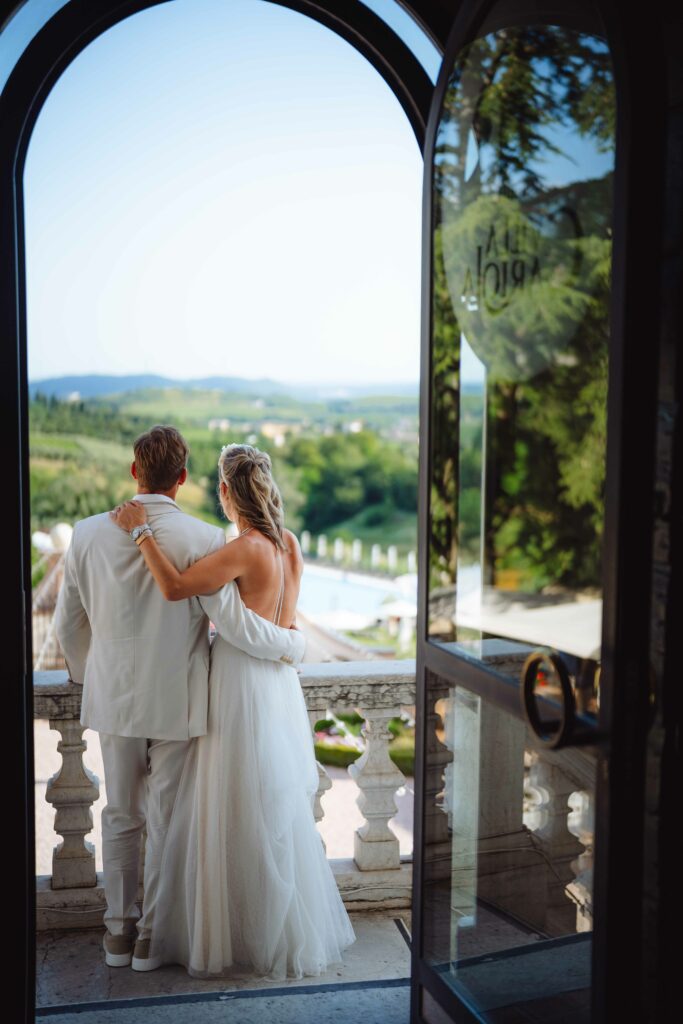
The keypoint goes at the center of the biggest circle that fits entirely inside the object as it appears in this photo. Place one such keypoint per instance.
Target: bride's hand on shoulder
(128, 515)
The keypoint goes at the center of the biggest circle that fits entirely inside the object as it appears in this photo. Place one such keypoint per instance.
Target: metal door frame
(625, 709)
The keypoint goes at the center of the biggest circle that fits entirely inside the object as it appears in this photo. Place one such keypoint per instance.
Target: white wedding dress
(244, 878)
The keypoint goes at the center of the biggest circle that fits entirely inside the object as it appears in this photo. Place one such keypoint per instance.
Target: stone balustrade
(354, 555)
(377, 690)
(536, 857)
(377, 877)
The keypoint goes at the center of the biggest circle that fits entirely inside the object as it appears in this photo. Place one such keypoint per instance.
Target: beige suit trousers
(141, 777)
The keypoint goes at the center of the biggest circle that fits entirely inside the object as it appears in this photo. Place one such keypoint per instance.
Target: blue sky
(224, 188)
(227, 187)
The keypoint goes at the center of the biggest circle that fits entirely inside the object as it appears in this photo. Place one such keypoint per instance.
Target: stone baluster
(461, 718)
(375, 847)
(438, 771)
(72, 791)
(551, 787)
(581, 822)
(324, 781)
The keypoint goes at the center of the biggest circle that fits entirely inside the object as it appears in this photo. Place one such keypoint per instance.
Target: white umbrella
(407, 584)
(42, 542)
(60, 536)
(398, 610)
(343, 619)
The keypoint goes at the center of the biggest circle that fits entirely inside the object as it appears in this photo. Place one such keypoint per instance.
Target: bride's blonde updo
(247, 473)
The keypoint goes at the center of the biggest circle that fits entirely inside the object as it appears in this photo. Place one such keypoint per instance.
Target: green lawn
(379, 524)
(334, 751)
(197, 407)
(401, 752)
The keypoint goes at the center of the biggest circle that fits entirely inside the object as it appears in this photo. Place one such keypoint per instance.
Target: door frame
(626, 706)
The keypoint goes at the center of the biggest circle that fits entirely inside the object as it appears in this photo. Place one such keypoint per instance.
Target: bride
(244, 877)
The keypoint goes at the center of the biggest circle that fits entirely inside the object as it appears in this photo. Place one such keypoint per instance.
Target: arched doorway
(44, 48)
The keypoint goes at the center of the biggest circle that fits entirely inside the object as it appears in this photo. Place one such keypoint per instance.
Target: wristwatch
(137, 531)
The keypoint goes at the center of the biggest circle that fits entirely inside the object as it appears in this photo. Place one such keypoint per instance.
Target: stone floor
(71, 973)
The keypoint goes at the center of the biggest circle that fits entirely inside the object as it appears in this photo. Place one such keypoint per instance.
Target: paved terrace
(373, 873)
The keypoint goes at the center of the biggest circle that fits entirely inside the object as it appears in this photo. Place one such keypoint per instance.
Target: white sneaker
(142, 961)
(118, 949)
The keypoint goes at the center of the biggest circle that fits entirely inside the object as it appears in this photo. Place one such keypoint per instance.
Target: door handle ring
(555, 732)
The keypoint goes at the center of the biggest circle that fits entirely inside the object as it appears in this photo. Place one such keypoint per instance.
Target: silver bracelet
(139, 531)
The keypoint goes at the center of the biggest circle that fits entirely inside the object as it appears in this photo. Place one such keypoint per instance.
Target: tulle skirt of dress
(244, 878)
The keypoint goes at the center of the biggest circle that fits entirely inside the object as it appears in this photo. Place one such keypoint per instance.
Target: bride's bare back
(259, 582)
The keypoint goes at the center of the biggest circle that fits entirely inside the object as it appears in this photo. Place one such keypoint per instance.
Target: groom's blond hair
(160, 457)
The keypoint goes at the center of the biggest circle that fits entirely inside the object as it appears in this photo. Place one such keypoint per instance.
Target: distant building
(277, 432)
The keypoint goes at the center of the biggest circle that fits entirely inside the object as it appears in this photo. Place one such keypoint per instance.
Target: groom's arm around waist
(245, 629)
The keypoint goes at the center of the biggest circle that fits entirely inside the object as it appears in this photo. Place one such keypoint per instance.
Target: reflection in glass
(508, 841)
(521, 276)
(547, 686)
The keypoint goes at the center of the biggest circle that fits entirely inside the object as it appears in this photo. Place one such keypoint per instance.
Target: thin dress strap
(281, 592)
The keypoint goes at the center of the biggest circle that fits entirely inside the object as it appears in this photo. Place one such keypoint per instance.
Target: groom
(144, 664)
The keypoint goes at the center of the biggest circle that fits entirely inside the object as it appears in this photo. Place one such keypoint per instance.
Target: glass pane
(522, 184)
(507, 916)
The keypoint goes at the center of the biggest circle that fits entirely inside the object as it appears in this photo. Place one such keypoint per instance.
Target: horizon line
(220, 376)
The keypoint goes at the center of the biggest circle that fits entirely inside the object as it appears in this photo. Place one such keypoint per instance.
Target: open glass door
(516, 364)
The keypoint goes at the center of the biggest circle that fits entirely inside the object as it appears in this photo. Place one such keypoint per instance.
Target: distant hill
(100, 385)
(97, 385)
